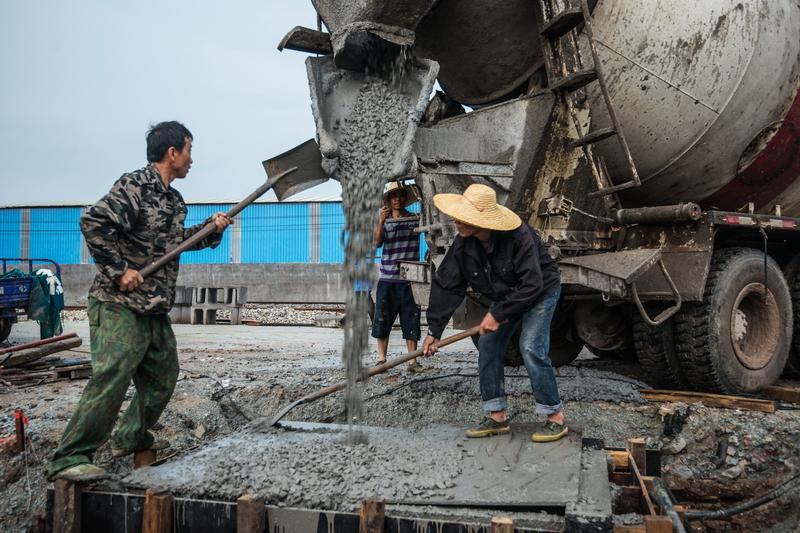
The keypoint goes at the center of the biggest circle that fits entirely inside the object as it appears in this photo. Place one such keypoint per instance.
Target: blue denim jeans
(534, 344)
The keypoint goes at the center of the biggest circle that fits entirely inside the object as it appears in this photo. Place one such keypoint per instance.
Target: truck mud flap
(615, 274)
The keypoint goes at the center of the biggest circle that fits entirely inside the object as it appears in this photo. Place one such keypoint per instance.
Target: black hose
(663, 498)
(791, 483)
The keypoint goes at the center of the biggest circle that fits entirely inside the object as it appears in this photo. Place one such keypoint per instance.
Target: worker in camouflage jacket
(138, 221)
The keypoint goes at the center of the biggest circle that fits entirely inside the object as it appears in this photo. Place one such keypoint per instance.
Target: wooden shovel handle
(210, 228)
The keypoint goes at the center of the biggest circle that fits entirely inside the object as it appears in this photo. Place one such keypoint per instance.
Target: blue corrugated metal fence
(10, 231)
(291, 232)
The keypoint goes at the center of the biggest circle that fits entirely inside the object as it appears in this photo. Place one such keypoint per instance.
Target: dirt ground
(231, 375)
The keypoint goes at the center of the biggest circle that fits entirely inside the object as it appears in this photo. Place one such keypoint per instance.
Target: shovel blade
(308, 160)
(283, 412)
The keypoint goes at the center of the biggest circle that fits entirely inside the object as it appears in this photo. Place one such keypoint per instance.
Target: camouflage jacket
(138, 221)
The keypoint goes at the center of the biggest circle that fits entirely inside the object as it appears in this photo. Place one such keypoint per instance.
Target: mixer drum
(701, 88)
(486, 49)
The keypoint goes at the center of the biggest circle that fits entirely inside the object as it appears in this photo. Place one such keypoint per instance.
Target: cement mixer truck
(654, 145)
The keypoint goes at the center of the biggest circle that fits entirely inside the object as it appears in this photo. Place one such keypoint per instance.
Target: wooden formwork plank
(709, 400)
(657, 524)
(650, 508)
(623, 479)
(619, 458)
(629, 500)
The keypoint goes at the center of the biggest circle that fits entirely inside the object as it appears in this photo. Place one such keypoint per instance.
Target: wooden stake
(649, 507)
(19, 425)
(144, 458)
(66, 507)
(638, 450)
(502, 524)
(250, 514)
(372, 516)
(157, 514)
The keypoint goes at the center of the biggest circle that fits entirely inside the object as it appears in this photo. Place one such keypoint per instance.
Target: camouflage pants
(125, 346)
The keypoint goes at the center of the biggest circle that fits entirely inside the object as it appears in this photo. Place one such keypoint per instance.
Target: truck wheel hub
(755, 326)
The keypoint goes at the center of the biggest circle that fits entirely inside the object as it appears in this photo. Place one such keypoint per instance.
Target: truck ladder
(558, 22)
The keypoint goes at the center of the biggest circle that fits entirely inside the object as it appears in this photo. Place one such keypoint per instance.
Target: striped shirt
(400, 243)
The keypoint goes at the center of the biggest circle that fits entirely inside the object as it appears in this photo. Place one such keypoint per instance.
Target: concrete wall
(266, 283)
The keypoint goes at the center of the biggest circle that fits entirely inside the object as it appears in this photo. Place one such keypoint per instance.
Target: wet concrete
(364, 148)
(312, 466)
(368, 141)
(231, 374)
(316, 469)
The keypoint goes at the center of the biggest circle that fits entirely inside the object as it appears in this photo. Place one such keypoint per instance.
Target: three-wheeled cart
(15, 292)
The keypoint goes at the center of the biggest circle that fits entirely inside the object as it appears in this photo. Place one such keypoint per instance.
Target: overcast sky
(82, 80)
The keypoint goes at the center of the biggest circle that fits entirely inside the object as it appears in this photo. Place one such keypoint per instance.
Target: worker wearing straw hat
(503, 259)
(395, 232)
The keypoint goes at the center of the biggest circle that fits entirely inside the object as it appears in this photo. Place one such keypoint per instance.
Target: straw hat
(478, 207)
(393, 186)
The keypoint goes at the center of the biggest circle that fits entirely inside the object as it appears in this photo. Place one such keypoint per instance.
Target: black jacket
(512, 273)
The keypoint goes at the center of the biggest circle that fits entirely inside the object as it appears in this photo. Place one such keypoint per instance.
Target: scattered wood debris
(709, 400)
(30, 364)
(783, 394)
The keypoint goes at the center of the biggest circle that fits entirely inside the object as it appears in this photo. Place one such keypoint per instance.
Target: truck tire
(625, 354)
(736, 340)
(565, 346)
(5, 328)
(513, 356)
(563, 351)
(655, 349)
(792, 273)
(792, 368)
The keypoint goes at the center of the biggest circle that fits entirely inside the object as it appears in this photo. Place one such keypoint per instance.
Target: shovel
(369, 372)
(210, 228)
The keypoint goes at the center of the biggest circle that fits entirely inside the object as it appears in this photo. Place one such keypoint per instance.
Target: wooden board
(709, 400)
(783, 394)
(22, 357)
(80, 371)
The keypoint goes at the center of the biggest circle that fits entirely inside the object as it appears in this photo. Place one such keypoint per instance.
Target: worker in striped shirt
(395, 232)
